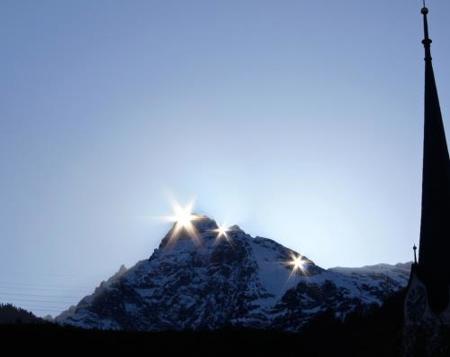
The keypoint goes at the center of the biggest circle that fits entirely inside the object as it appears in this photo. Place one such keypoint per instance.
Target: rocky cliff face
(212, 282)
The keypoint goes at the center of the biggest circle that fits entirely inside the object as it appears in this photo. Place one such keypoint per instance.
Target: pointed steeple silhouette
(434, 249)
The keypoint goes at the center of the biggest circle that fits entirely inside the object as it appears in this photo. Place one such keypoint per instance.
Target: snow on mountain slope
(243, 281)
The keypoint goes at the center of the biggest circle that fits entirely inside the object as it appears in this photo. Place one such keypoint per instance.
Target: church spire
(434, 252)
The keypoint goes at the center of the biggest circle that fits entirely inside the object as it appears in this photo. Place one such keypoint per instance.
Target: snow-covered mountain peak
(202, 231)
(201, 279)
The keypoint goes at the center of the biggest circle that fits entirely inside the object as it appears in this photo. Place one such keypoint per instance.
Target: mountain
(241, 281)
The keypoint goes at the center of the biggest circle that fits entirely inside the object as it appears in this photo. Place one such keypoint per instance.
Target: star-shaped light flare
(297, 263)
(183, 218)
(222, 232)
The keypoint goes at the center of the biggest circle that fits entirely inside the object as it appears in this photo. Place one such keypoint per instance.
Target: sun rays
(222, 231)
(297, 263)
(183, 219)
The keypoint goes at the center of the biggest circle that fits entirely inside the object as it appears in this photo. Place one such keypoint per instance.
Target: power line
(52, 289)
(46, 310)
(26, 284)
(40, 301)
(59, 297)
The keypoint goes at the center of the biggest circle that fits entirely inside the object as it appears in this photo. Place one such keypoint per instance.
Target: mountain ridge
(242, 281)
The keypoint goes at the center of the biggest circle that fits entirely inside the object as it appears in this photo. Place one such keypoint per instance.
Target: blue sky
(299, 121)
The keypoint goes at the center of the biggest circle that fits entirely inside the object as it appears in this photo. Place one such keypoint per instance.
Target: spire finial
(426, 41)
(415, 253)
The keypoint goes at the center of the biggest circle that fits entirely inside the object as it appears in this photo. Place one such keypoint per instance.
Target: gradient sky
(298, 120)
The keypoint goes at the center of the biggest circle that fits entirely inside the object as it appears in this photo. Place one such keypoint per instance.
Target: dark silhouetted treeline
(377, 333)
(9, 314)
